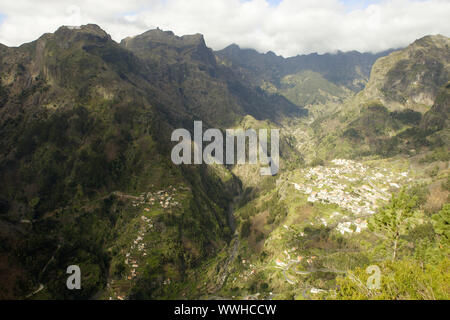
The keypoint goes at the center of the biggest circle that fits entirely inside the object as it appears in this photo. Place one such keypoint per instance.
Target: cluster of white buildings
(350, 227)
(165, 198)
(354, 187)
(350, 185)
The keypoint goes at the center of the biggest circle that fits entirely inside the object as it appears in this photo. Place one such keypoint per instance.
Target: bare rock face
(411, 78)
(173, 47)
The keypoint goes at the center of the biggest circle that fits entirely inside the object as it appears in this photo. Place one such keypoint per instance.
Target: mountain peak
(438, 41)
(167, 38)
(411, 77)
(232, 48)
(166, 43)
(91, 29)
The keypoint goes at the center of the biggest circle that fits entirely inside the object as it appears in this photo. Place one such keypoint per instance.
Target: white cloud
(293, 27)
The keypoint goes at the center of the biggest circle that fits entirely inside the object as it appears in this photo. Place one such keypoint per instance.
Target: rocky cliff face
(173, 48)
(411, 78)
(394, 113)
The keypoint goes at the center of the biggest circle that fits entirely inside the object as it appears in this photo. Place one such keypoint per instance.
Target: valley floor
(323, 232)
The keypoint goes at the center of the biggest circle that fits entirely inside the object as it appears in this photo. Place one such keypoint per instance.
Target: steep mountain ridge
(213, 92)
(385, 118)
(162, 42)
(342, 73)
(84, 122)
(411, 78)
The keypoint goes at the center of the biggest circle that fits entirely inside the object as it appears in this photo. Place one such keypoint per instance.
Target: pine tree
(395, 219)
(441, 223)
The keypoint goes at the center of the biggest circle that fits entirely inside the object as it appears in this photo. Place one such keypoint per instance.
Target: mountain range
(86, 176)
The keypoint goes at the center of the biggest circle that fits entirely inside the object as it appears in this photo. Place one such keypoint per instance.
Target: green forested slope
(84, 131)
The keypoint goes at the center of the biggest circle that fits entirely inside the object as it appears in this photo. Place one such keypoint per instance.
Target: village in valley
(357, 189)
(344, 193)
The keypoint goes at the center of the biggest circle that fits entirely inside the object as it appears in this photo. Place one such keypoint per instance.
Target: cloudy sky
(286, 27)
